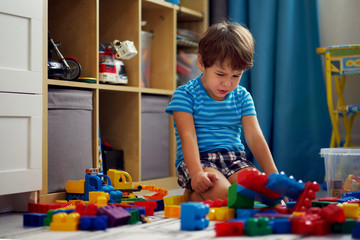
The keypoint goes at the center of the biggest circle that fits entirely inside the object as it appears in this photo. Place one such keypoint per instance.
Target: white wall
(339, 21)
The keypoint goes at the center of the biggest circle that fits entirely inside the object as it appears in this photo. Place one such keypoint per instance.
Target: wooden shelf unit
(81, 26)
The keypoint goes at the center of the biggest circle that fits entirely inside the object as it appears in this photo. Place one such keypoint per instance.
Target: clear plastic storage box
(342, 166)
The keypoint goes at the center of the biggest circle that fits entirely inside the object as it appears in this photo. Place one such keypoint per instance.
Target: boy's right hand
(203, 181)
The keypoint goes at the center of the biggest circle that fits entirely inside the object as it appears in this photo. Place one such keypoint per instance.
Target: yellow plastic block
(75, 186)
(120, 179)
(94, 195)
(175, 200)
(172, 211)
(65, 222)
(351, 210)
(221, 214)
(101, 201)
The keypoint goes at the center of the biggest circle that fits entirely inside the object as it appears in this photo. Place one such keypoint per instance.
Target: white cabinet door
(21, 142)
(21, 56)
(21, 64)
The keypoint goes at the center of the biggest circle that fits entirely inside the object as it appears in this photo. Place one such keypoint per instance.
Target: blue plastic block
(34, 219)
(193, 216)
(355, 194)
(93, 222)
(284, 185)
(281, 225)
(290, 204)
(159, 205)
(258, 197)
(356, 231)
(246, 213)
(345, 199)
(140, 209)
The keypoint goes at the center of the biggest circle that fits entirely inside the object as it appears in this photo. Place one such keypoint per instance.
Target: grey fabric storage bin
(155, 152)
(70, 130)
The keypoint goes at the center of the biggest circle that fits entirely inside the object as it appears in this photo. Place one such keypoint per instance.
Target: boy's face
(219, 79)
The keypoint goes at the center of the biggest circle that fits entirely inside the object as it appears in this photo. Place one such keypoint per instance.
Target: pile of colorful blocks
(254, 208)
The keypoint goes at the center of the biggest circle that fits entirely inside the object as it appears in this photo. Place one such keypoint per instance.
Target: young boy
(209, 112)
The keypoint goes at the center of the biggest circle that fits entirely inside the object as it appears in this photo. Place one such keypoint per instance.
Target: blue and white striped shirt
(217, 123)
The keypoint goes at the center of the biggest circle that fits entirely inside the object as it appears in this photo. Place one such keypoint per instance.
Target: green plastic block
(236, 200)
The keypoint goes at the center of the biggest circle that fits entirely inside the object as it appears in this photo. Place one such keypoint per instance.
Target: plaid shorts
(227, 163)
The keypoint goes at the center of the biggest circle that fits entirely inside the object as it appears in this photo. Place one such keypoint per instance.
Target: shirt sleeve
(247, 104)
(180, 101)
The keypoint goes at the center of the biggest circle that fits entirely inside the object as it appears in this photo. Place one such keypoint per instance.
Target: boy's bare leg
(220, 188)
(193, 196)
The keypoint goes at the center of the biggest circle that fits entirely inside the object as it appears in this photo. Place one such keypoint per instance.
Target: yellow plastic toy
(340, 61)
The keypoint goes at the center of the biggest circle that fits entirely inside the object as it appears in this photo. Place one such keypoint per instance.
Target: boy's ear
(200, 63)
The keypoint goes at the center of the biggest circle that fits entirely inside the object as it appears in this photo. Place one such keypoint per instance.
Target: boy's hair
(227, 40)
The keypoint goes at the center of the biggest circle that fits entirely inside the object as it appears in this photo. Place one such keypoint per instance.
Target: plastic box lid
(339, 151)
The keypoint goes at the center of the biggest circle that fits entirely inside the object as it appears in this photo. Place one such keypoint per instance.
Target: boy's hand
(203, 181)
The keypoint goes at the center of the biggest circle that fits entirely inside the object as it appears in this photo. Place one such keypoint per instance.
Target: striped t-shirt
(217, 123)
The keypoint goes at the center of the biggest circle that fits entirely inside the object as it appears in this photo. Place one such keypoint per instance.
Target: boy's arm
(257, 144)
(200, 180)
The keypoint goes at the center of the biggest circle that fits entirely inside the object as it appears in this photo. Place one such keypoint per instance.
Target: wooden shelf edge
(157, 91)
(52, 197)
(187, 14)
(52, 82)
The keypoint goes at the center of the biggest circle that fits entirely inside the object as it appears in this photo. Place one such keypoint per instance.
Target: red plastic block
(310, 224)
(256, 181)
(44, 208)
(217, 203)
(149, 206)
(333, 214)
(306, 197)
(223, 229)
(89, 210)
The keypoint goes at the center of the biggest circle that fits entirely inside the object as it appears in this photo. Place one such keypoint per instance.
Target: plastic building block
(172, 211)
(135, 217)
(160, 192)
(65, 222)
(257, 196)
(193, 216)
(117, 216)
(175, 200)
(333, 214)
(77, 187)
(256, 181)
(321, 204)
(305, 198)
(93, 222)
(216, 203)
(281, 226)
(140, 209)
(328, 199)
(86, 210)
(149, 207)
(284, 185)
(257, 227)
(120, 179)
(159, 204)
(44, 208)
(33, 219)
(94, 195)
(355, 194)
(310, 224)
(344, 227)
(224, 229)
(356, 231)
(236, 200)
(351, 210)
(246, 213)
(221, 214)
(347, 199)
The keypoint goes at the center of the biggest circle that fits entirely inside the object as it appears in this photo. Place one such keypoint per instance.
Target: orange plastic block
(256, 181)
(221, 214)
(65, 222)
(172, 211)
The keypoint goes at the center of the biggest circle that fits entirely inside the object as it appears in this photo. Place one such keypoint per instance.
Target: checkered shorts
(227, 163)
